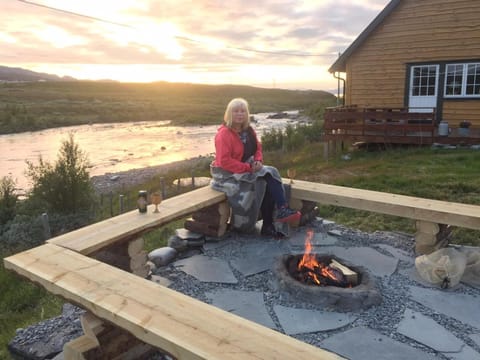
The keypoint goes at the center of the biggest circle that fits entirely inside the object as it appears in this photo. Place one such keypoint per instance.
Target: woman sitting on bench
(238, 171)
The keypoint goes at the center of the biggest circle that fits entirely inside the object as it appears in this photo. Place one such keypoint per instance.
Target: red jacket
(229, 151)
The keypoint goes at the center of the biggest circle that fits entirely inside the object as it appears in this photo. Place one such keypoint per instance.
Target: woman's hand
(257, 165)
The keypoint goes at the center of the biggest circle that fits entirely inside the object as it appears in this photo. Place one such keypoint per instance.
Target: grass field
(449, 175)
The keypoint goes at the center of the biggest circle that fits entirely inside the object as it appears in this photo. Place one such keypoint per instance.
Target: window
(462, 80)
(424, 80)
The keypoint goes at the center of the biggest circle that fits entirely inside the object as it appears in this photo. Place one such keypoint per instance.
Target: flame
(308, 260)
(310, 263)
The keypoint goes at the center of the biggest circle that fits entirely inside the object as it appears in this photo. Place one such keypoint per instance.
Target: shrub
(8, 199)
(64, 187)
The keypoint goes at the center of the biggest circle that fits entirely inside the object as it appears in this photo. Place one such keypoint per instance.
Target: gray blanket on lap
(244, 192)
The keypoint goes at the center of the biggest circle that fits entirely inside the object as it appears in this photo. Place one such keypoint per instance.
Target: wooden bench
(131, 225)
(430, 215)
(182, 326)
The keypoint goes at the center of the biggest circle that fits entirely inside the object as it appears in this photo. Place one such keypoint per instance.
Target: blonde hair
(234, 103)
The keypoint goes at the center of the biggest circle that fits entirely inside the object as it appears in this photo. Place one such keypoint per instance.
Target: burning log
(350, 276)
(324, 271)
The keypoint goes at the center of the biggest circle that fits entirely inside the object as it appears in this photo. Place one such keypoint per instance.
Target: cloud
(204, 34)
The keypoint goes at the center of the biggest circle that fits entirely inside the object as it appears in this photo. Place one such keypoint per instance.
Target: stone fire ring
(332, 298)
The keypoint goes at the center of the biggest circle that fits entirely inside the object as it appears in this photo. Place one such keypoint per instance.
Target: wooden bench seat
(430, 215)
(92, 238)
(437, 211)
(182, 326)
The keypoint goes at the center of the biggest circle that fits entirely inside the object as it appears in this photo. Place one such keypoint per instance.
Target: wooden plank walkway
(182, 326)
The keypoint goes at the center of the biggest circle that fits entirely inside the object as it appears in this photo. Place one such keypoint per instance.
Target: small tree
(64, 187)
(8, 199)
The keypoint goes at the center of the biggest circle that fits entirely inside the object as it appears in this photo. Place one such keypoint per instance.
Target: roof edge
(340, 63)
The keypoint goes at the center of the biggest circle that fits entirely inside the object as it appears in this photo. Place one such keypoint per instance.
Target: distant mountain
(19, 74)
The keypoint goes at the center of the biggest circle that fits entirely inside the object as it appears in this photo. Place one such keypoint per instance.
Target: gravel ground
(384, 318)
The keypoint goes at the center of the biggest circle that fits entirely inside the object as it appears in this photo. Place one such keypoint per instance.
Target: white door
(423, 88)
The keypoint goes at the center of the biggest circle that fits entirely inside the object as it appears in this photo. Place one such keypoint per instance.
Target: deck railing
(384, 125)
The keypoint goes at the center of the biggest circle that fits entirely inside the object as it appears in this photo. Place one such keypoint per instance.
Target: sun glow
(59, 37)
(148, 38)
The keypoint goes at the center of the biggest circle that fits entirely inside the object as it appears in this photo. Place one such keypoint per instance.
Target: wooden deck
(390, 126)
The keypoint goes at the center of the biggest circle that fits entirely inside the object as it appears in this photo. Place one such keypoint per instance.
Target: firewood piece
(350, 275)
(214, 215)
(444, 233)
(208, 218)
(206, 229)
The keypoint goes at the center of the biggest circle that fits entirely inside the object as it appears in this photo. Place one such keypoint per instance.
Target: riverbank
(115, 181)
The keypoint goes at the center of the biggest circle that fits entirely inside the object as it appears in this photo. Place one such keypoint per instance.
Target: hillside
(38, 105)
(19, 75)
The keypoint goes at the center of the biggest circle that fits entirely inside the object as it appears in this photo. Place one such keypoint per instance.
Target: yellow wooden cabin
(418, 57)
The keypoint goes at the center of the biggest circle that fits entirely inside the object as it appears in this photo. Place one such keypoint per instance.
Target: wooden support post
(105, 341)
(210, 221)
(430, 237)
(162, 187)
(325, 150)
(129, 256)
(121, 203)
(46, 226)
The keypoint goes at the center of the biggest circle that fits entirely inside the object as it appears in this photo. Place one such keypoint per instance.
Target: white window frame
(464, 75)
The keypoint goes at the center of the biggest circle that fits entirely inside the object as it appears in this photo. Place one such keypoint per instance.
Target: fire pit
(325, 280)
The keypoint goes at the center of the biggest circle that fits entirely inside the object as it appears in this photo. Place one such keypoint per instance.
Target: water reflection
(118, 146)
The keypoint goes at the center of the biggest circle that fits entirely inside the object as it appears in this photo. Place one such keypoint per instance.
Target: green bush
(64, 187)
(8, 199)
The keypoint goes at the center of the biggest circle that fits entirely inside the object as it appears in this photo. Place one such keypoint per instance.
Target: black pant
(267, 207)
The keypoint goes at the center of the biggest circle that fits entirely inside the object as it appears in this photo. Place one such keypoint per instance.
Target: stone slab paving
(301, 321)
(467, 353)
(247, 304)
(259, 256)
(396, 253)
(427, 331)
(253, 256)
(361, 343)
(379, 264)
(476, 338)
(297, 240)
(463, 307)
(207, 269)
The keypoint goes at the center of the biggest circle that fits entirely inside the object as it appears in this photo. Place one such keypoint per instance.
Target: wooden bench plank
(92, 238)
(182, 326)
(441, 212)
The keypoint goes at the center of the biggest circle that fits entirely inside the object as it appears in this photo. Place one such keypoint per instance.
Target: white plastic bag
(471, 275)
(444, 267)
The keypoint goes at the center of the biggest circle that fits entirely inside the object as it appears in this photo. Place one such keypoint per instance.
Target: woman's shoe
(285, 214)
(270, 231)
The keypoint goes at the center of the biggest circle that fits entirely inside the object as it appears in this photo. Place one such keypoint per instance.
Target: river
(118, 147)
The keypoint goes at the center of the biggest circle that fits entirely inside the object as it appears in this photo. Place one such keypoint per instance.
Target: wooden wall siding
(416, 31)
(456, 111)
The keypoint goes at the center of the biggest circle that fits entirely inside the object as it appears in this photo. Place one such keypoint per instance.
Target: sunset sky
(269, 43)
